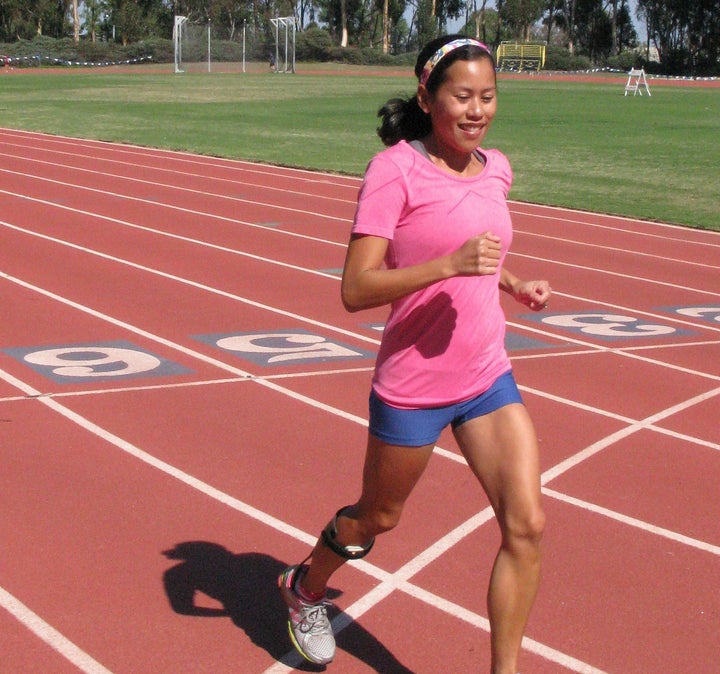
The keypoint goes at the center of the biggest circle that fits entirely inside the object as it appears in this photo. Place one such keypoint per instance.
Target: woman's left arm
(534, 294)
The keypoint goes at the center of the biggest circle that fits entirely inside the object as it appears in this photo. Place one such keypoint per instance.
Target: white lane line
(289, 232)
(224, 196)
(539, 211)
(190, 211)
(578, 670)
(197, 285)
(151, 202)
(712, 292)
(400, 579)
(704, 236)
(635, 252)
(271, 384)
(235, 182)
(314, 323)
(233, 251)
(634, 427)
(311, 176)
(634, 522)
(388, 582)
(47, 633)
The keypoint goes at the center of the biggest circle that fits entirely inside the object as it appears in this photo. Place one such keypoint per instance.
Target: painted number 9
(99, 361)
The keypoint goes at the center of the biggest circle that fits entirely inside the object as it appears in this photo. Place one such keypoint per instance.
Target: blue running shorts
(415, 428)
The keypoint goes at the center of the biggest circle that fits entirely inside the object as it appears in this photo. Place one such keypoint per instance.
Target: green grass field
(581, 145)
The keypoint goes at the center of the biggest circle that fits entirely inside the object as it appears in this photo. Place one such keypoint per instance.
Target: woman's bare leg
(389, 476)
(502, 451)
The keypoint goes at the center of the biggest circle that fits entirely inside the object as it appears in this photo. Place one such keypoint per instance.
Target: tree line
(685, 34)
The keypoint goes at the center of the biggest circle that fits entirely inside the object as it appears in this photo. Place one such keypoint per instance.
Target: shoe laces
(314, 618)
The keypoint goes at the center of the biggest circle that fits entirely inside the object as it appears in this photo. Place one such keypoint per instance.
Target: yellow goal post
(521, 56)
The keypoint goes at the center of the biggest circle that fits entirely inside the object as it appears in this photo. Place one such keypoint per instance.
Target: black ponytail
(403, 119)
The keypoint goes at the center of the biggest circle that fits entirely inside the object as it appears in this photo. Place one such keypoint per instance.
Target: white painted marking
(705, 313)
(47, 633)
(607, 325)
(370, 600)
(634, 522)
(95, 361)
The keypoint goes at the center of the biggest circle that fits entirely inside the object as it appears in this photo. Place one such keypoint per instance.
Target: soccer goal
(178, 28)
(285, 44)
(191, 43)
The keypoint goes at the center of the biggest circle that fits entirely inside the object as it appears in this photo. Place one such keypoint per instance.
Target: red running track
(183, 404)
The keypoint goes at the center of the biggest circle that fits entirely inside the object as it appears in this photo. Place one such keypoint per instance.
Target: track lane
(597, 419)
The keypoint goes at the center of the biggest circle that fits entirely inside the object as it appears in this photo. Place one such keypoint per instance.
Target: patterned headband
(443, 51)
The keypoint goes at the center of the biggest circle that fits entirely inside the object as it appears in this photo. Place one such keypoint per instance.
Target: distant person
(272, 63)
(430, 235)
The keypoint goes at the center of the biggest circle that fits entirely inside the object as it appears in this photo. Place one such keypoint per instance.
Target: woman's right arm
(366, 283)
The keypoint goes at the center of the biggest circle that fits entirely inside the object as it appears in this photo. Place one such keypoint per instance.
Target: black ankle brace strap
(329, 536)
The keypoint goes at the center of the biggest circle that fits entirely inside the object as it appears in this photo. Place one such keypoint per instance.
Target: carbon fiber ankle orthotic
(329, 535)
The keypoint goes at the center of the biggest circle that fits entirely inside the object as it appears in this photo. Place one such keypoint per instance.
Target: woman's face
(463, 106)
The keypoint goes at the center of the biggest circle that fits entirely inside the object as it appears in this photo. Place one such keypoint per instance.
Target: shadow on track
(245, 586)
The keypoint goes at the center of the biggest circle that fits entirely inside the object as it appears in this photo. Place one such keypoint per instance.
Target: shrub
(50, 51)
(313, 44)
(625, 61)
(561, 59)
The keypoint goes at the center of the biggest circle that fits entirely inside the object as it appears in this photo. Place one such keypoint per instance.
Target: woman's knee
(359, 525)
(376, 521)
(524, 530)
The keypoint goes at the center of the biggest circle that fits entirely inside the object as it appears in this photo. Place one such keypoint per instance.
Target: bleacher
(521, 56)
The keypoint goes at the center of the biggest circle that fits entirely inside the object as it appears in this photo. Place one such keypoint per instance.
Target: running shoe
(308, 624)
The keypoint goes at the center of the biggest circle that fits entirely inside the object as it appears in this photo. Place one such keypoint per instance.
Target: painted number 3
(93, 362)
(608, 325)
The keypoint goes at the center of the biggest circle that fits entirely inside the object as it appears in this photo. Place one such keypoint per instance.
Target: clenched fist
(478, 256)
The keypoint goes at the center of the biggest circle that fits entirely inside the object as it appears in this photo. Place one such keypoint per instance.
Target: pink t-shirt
(445, 343)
